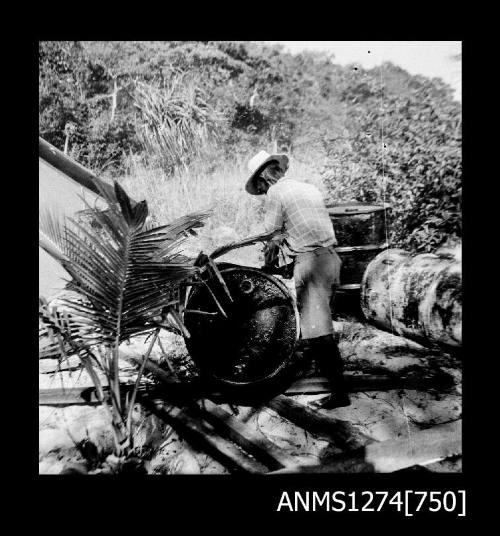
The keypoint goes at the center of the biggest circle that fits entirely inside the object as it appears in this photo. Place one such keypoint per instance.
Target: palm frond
(122, 271)
(57, 332)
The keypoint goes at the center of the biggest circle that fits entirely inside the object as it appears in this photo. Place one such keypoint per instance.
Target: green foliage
(61, 90)
(375, 135)
(75, 104)
(176, 121)
(403, 147)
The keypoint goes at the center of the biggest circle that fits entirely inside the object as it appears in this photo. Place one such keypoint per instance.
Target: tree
(62, 92)
(122, 64)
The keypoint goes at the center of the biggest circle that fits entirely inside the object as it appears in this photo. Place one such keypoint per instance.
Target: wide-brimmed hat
(260, 160)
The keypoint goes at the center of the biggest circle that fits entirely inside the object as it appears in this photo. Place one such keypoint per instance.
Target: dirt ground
(382, 415)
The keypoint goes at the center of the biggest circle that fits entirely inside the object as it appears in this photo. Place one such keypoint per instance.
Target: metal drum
(416, 296)
(256, 342)
(359, 224)
(361, 231)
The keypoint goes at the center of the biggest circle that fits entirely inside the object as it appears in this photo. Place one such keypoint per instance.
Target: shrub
(403, 146)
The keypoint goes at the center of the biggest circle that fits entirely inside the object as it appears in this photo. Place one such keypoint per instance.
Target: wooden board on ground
(252, 441)
(70, 396)
(364, 382)
(422, 448)
(342, 433)
(67, 397)
(202, 434)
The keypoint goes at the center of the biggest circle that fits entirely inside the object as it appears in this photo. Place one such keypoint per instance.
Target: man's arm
(273, 222)
(274, 212)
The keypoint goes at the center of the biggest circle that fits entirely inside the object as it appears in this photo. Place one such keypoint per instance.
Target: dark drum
(361, 231)
(359, 224)
(255, 343)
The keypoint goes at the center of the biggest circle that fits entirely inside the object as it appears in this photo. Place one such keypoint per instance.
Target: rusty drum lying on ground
(416, 296)
(255, 343)
(361, 232)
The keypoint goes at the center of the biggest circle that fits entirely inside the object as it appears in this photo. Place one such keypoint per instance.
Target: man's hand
(272, 251)
(271, 254)
(285, 271)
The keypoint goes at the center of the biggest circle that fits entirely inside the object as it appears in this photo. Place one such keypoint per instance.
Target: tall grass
(176, 121)
(182, 170)
(220, 188)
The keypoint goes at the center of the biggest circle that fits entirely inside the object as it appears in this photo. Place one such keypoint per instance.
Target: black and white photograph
(250, 261)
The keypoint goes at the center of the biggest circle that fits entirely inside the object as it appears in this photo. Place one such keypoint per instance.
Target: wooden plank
(68, 397)
(306, 386)
(422, 448)
(363, 382)
(202, 434)
(259, 446)
(342, 433)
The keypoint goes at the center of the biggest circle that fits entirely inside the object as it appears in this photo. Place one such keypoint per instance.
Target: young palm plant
(123, 275)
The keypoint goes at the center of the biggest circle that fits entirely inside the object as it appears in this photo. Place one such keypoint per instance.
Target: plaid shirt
(299, 209)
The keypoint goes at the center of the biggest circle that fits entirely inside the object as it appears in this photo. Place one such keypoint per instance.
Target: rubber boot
(330, 363)
(305, 365)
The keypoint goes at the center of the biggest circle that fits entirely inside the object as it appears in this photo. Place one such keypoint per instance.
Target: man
(298, 209)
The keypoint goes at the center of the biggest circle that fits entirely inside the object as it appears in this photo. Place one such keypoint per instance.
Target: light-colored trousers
(316, 276)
